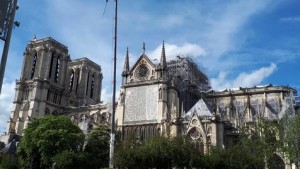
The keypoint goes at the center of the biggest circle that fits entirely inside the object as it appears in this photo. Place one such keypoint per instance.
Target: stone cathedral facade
(175, 98)
(52, 83)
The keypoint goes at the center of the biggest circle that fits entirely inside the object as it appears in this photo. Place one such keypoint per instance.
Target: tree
(160, 152)
(97, 146)
(71, 160)
(255, 148)
(8, 161)
(44, 138)
(292, 138)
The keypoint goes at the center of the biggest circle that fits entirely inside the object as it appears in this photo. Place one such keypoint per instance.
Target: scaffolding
(290, 99)
(190, 80)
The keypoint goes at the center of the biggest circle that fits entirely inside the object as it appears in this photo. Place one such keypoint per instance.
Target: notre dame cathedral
(175, 98)
(165, 97)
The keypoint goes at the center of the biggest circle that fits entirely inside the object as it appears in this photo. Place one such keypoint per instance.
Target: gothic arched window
(77, 79)
(160, 94)
(48, 95)
(71, 81)
(34, 57)
(57, 69)
(54, 97)
(59, 102)
(87, 83)
(92, 86)
(51, 65)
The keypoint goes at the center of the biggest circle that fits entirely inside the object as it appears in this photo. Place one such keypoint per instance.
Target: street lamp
(112, 132)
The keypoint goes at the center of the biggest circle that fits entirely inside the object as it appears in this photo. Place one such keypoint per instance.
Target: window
(60, 96)
(87, 83)
(51, 65)
(77, 79)
(57, 69)
(33, 64)
(92, 86)
(71, 81)
(48, 95)
(55, 97)
(26, 94)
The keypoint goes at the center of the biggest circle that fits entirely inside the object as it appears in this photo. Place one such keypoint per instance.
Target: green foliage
(126, 157)
(252, 148)
(256, 147)
(8, 161)
(268, 138)
(247, 153)
(160, 152)
(97, 146)
(71, 160)
(46, 137)
(292, 138)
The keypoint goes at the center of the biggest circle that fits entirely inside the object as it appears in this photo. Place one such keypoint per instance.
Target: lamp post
(8, 10)
(112, 132)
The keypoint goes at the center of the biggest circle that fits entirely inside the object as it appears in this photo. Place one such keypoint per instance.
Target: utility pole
(7, 16)
(112, 132)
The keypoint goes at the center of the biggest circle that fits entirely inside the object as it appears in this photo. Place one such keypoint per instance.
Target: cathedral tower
(40, 89)
(51, 82)
(84, 85)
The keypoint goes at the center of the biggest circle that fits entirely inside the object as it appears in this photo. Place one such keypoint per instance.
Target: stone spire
(126, 64)
(34, 38)
(163, 62)
(144, 48)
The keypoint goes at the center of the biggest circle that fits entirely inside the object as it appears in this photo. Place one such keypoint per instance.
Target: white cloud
(6, 102)
(171, 21)
(243, 79)
(225, 24)
(106, 95)
(173, 50)
(291, 19)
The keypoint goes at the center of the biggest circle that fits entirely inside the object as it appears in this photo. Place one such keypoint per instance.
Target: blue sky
(237, 42)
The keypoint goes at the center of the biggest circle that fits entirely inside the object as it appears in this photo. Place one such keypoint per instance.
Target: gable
(142, 70)
(201, 108)
(143, 59)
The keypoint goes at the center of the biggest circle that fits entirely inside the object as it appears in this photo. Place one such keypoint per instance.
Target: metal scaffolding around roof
(191, 81)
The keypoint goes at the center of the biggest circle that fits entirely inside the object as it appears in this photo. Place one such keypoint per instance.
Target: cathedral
(52, 83)
(157, 97)
(174, 98)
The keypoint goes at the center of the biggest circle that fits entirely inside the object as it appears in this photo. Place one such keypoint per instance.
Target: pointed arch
(92, 86)
(51, 64)
(196, 136)
(48, 95)
(34, 58)
(77, 79)
(57, 69)
(71, 81)
(87, 83)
